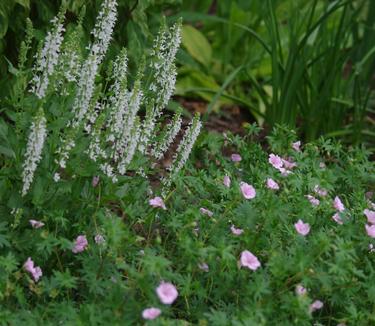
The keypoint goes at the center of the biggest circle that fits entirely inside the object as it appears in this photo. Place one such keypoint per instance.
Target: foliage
(251, 233)
(139, 21)
(113, 281)
(302, 63)
(265, 56)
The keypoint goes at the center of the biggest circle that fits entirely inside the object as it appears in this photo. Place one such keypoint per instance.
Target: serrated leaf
(7, 151)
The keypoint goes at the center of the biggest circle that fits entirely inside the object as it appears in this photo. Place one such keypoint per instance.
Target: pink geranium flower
(247, 190)
(314, 201)
(157, 202)
(203, 266)
(80, 244)
(300, 290)
(297, 146)
(227, 181)
(302, 228)
(272, 184)
(36, 224)
(370, 229)
(236, 231)
(284, 172)
(249, 260)
(35, 271)
(275, 160)
(338, 205)
(283, 165)
(370, 215)
(151, 313)
(320, 191)
(236, 157)
(316, 305)
(289, 164)
(206, 211)
(336, 217)
(167, 293)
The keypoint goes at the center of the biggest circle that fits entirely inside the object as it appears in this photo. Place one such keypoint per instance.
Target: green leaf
(7, 151)
(196, 44)
(24, 3)
(4, 235)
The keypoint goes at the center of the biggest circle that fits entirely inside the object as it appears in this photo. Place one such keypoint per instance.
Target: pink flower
(29, 265)
(284, 166)
(316, 305)
(236, 157)
(151, 313)
(302, 228)
(226, 181)
(167, 293)
(284, 172)
(204, 267)
(249, 260)
(247, 190)
(272, 184)
(99, 239)
(338, 205)
(370, 215)
(95, 181)
(300, 290)
(36, 272)
(205, 211)
(289, 164)
(36, 224)
(296, 146)
(314, 201)
(236, 231)
(157, 202)
(275, 161)
(336, 217)
(320, 191)
(80, 244)
(370, 229)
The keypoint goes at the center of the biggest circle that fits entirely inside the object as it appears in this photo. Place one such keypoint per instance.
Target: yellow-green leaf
(196, 44)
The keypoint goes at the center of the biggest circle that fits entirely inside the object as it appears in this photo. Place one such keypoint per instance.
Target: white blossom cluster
(102, 35)
(69, 64)
(119, 98)
(108, 118)
(102, 32)
(33, 155)
(171, 131)
(183, 150)
(163, 66)
(163, 72)
(131, 148)
(47, 58)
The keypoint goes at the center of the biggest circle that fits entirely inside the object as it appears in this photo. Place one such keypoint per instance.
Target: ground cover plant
(115, 213)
